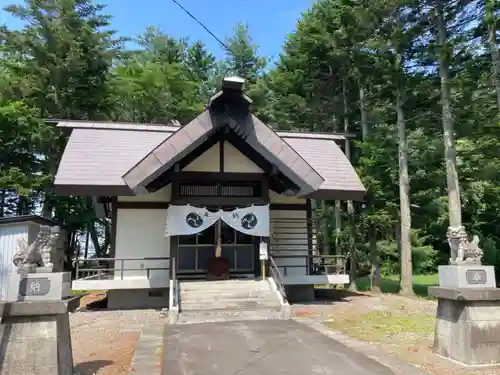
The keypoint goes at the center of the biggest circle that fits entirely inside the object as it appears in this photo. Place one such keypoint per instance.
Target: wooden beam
(142, 205)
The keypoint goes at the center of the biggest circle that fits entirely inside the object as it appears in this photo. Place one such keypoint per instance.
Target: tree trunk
(350, 206)
(92, 230)
(2, 202)
(406, 282)
(493, 46)
(450, 154)
(375, 260)
(95, 240)
(398, 234)
(87, 235)
(338, 220)
(338, 228)
(353, 271)
(107, 237)
(326, 236)
(372, 233)
(22, 205)
(363, 112)
(69, 251)
(47, 207)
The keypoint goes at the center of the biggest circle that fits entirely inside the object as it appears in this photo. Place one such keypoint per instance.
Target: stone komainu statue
(46, 251)
(463, 251)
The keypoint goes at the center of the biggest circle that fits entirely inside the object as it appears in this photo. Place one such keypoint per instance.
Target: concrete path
(260, 347)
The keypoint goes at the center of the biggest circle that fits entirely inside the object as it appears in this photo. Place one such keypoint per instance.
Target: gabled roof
(227, 112)
(340, 179)
(95, 159)
(256, 134)
(119, 126)
(128, 159)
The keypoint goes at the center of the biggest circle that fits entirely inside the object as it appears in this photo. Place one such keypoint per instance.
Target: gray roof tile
(326, 157)
(102, 155)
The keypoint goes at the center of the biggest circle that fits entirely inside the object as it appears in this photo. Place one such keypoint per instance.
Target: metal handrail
(174, 285)
(101, 271)
(337, 264)
(278, 279)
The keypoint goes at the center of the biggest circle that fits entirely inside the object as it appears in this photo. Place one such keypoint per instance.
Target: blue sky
(270, 21)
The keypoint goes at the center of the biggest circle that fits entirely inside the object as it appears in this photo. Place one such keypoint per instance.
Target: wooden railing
(106, 268)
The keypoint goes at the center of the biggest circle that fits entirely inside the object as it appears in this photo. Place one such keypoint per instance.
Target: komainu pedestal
(35, 335)
(53, 286)
(468, 325)
(468, 314)
(35, 338)
(467, 276)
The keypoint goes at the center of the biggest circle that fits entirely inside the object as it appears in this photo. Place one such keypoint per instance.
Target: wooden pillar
(218, 234)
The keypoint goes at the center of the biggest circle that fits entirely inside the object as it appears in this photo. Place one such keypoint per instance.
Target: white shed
(12, 230)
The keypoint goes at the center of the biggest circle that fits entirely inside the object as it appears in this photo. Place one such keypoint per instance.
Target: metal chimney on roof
(234, 83)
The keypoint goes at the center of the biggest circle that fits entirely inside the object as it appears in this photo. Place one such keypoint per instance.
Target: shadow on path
(91, 367)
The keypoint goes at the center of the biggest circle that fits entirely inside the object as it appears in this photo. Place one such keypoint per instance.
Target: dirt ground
(104, 342)
(401, 326)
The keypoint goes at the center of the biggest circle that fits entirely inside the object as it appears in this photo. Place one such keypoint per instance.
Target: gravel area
(394, 324)
(104, 341)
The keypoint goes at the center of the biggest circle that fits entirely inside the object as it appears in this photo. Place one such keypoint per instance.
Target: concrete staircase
(204, 301)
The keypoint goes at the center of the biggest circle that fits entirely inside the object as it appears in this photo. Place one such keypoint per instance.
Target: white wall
(234, 161)
(162, 195)
(292, 242)
(10, 234)
(278, 198)
(140, 233)
(207, 162)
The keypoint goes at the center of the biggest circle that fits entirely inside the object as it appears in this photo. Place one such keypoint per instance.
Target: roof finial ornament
(235, 83)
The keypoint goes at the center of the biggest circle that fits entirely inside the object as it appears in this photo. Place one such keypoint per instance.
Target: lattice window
(220, 190)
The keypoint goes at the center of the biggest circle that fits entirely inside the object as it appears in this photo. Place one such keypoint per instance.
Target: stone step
(194, 317)
(225, 292)
(211, 295)
(230, 281)
(224, 285)
(253, 300)
(189, 299)
(229, 304)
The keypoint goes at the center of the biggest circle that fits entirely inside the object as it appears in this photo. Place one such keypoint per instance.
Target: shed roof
(27, 218)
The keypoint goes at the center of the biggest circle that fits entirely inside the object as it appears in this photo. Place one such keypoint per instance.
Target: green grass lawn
(390, 284)
(75, 292)
(384, 325)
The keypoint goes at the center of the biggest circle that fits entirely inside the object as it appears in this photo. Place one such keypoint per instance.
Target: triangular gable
(221, 157)
(232, 119)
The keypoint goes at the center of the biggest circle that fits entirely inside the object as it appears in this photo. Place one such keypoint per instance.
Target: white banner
(187, 219)
(253, 220)
(184, 220)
